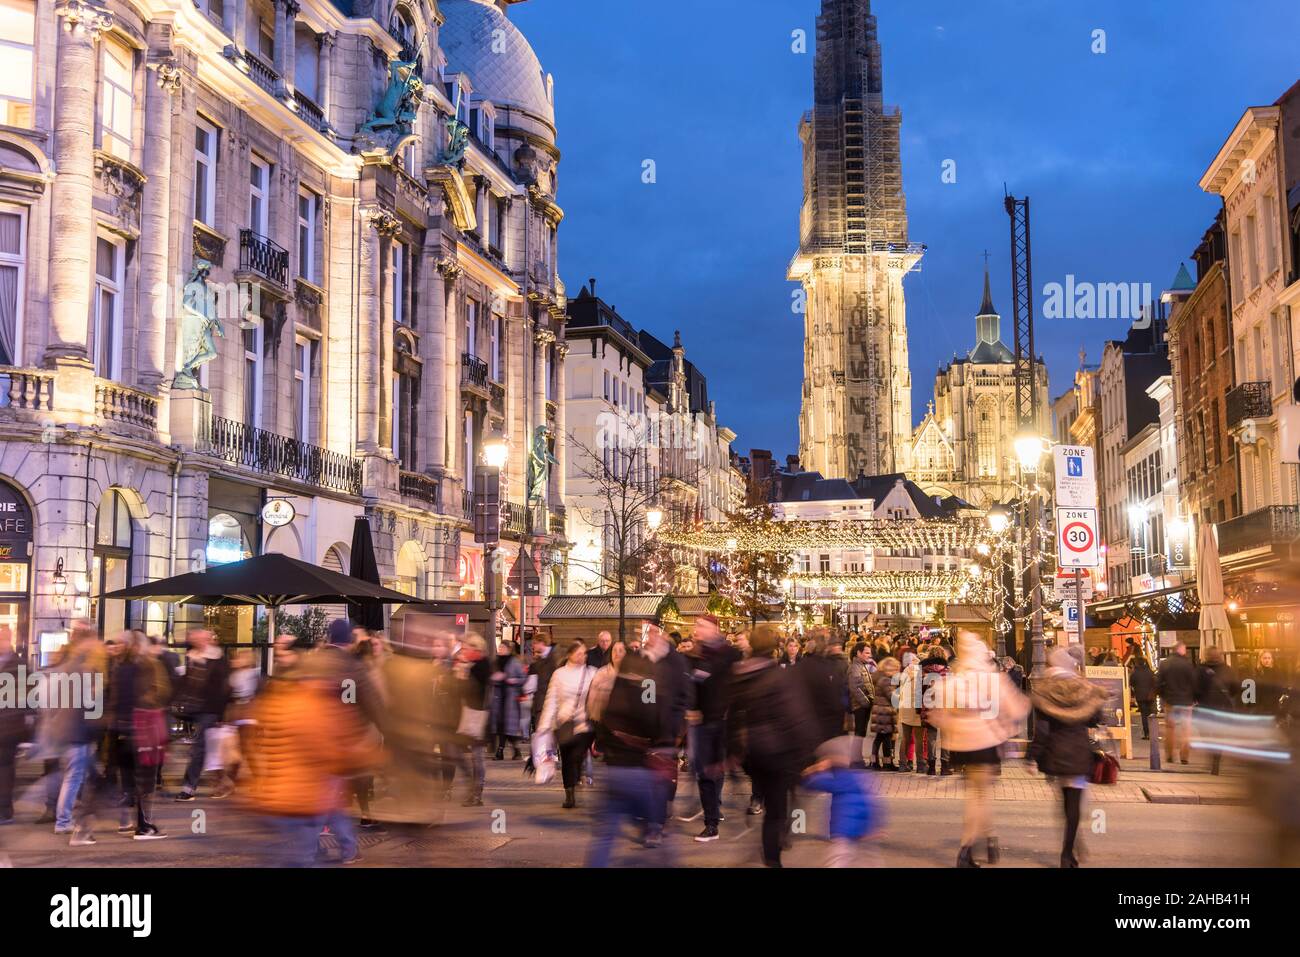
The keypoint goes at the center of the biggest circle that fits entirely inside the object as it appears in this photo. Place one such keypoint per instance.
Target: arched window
(986, 431)
(410, 570)
(226, 540)
(333, 561)
(111, 562)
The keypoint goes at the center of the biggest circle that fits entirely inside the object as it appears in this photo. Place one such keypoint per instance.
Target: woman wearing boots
(1066, 705)
(565, 715)
(507, 682)
(884, 716)
(151, 691)
(979, 708)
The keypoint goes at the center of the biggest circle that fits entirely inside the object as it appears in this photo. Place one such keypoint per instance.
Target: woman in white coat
(564, 715)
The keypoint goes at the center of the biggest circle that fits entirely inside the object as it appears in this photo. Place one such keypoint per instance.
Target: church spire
(987, 322)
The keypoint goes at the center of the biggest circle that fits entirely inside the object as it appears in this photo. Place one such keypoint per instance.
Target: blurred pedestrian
(202, 698)
(771, 730)
(473, 671)
(603, 683)
(977, 709)
(564, 715)
(861, 692)
(1176, 683)
(1065, 705)
(1142, 685)
(909, 714)
(13, 725)
(934, 667)
(150, 690)
(884, 715)
(630, 726)
(711, 658)
(791, 655)
(507, 685)
(838, 771)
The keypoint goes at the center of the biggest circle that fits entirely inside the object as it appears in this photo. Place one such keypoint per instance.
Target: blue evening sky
(1109, 147)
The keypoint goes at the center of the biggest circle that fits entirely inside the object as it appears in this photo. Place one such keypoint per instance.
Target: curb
(1189, 797)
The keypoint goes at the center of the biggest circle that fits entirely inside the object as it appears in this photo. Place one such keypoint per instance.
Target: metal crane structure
(1031, 505)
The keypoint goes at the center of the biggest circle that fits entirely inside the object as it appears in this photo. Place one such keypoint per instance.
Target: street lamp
(999, 517)
(1137, 514)
(1029, 450)
(654, 517)
(495, 452)
(60, 580)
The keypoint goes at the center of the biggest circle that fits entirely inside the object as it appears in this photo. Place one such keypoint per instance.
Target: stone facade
(388, 300)
(965, 445)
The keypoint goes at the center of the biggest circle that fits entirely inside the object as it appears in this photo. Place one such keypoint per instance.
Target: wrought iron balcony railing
(473, 371)
(1249, 400)
(467, 504)
(274, 454)
(422, 488)
(1271, 525)
(264, 257)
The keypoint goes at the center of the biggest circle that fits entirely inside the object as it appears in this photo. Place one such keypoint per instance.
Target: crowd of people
(361, 714)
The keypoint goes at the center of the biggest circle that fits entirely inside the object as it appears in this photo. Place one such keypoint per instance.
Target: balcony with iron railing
(263, 257)
(1249, 400)
(424, 489)
(467, 504)
(1262, 528)
(473, 372)
(273, 454)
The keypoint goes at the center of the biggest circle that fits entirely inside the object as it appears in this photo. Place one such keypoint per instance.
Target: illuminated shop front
(15, 563)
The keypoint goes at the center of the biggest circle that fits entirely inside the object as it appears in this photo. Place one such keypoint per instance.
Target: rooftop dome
(513, 77)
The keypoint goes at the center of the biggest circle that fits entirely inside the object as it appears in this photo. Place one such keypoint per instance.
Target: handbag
(1105, 768)
(567, 731)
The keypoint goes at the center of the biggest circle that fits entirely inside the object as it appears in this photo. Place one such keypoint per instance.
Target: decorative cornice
(449, 268)
(79, 17)
(543, 337)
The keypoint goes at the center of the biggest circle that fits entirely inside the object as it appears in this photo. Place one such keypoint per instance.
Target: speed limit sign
(1076, 532)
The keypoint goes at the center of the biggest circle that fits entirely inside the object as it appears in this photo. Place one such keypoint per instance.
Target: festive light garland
(880, 586)
(943, 536)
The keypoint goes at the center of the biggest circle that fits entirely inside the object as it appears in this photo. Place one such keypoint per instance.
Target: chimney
(592, 280)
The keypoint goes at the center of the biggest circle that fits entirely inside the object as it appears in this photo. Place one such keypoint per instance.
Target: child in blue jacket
(854, 812)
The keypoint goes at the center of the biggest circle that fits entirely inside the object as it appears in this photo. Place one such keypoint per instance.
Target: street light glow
(654, 517)
(1029, 450)
(495, 453)
(999, 518)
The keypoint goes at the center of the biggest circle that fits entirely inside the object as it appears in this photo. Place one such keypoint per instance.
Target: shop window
(111, 562)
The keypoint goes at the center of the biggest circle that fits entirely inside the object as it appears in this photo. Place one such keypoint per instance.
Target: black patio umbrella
(271, 580)
(366, 613)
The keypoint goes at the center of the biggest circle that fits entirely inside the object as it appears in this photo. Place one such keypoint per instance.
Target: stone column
(239, 9)
(73, 241)
(384, 316)
(432, 318)
(286, 13)
(541, 339)
(451, 376)
(375, 221)
(159, 298)
(561, 429)
(323, 67)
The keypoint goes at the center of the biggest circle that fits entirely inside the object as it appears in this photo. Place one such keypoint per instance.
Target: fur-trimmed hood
(1067, 697)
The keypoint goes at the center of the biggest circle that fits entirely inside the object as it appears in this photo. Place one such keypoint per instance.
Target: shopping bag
(215, 747)
(544, 757)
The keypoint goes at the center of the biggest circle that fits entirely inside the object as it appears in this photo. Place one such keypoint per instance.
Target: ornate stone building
(965, 445)
(853, 254)
(349, 209)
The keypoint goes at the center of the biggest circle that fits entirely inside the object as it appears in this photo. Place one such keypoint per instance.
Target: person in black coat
(1066, 705)
(711, 659)
(1142, 683)
(771, 732)
(825, 678)
(12, 727)
(1176, 683)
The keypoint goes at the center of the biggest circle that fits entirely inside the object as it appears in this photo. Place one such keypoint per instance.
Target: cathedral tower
(853, 254)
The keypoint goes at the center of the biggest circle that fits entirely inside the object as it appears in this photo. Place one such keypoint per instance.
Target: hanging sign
(278, 512)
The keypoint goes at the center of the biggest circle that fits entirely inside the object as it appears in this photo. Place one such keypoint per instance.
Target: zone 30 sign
(1077, 531)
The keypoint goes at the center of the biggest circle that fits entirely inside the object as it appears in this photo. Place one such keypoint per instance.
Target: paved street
(522, 824)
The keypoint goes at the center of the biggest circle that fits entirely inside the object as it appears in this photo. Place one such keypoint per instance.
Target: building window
(401, 306)
(1252, 251)
(306, 58)
(471, 327)
(115, 112)
(111, 561)
(17, 51)
(205, 173)
(495, 346)
(470, 460)
(252, 335)
(308, 205)
(13, 281)
(266, 37)
(302, 388)
(606, 371)
(406, 397)
(259, 196)
(110, 263)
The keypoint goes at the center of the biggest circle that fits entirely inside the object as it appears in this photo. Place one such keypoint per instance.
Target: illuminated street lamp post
(1029, 450)
(495, 453)
(999, 517)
